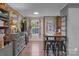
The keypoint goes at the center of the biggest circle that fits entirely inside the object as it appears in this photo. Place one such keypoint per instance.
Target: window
(35, 27)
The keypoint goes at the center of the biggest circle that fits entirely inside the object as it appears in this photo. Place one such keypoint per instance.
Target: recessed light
(36, 13)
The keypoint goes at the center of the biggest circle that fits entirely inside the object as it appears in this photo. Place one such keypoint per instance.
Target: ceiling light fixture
(36, 13)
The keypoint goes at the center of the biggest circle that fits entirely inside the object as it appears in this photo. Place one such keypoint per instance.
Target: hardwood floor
(33, 48)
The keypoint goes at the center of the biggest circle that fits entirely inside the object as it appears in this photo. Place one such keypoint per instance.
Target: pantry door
(35, 28)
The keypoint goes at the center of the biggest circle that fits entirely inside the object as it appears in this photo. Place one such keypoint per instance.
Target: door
(35, 28)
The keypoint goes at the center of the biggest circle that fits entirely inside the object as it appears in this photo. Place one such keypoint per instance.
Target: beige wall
(42, 27)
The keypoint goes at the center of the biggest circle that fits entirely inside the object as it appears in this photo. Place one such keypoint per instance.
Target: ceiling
(44, 9)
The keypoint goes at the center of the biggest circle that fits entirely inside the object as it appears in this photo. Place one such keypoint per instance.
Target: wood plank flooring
(33, 48)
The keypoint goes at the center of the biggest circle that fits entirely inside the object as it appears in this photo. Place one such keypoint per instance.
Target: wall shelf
(3, 16)
(3, 27)
(4, 19)
(4, 10)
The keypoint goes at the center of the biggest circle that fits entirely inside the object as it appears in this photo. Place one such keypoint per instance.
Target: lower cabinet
(15, 46)
(18, 42)
(7, 50)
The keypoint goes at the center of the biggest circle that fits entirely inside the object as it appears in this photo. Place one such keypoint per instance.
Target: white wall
(73, 31)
